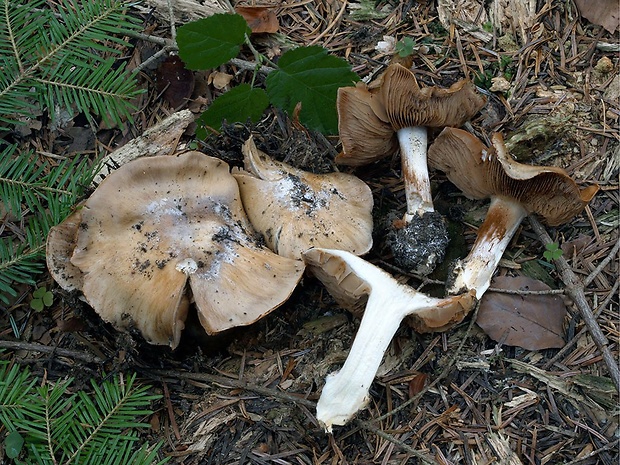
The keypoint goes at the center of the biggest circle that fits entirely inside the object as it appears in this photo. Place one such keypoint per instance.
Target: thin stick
(171, 46)
(603, 264)
(33, 347)
(575, 289)
(235, 383)
(574, 340)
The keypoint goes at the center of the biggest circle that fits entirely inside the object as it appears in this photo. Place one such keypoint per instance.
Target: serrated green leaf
(311, 76)
(211, 41)
(236, 105)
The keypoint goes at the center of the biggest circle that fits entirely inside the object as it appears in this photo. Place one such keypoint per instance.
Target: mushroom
(59, 247)
(159, 223)
(354, 282)
(296, 210)
(396, 101)
(515, 190)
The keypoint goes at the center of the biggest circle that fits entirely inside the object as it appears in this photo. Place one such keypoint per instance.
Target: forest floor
(552, 79)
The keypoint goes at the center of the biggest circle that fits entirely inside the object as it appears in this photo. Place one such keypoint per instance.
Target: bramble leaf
(311, 76)
(236, 105)
(211, 41)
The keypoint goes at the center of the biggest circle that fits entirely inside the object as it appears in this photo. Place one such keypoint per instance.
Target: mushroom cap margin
(481, 172)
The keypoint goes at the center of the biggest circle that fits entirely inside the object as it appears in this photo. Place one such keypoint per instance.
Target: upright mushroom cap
(296, 210)
(369, 116)
(365, 137)
(406, 104)
(157, 222)
(481, 172)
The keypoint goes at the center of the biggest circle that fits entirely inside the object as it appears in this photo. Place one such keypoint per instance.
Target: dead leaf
(416, 384)
(261, 19)
(531, 321)
(602, 12)
(219, 79)
(175, 81)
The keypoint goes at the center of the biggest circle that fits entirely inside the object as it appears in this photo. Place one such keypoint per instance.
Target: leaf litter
(247, 396)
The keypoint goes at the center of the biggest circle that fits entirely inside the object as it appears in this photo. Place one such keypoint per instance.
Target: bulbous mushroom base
(420, 244)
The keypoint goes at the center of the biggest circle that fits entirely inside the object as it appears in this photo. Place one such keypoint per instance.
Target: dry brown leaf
(602, 12)
(531, 321)
(175, 81)
(259, 18)
(219, 80)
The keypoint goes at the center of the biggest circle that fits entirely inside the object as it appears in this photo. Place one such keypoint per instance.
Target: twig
(574, 340)
(575, 289)
(603, 264)
(171, 45)
(235, 383)
(606, 447)
(520, 292)
(33, 347)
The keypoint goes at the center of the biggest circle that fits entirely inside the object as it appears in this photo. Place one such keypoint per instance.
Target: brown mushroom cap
(59, 247)
(158, 221)
(296, 210)
(407, 105)
(481, 172)
(365, 138)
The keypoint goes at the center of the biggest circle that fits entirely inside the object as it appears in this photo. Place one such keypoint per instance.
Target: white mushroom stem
(500, 224)
(389, 302)
(413, 146)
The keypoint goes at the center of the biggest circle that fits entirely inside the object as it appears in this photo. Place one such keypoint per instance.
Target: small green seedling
(41, 298)
(404, 47)
(552, 252)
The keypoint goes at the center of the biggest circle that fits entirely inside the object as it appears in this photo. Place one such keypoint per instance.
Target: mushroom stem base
(476, 270)
(420, 244)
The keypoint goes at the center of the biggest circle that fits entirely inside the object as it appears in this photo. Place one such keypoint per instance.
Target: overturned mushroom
(296, 210)
(515, 190)
(158, 223)
(355, 282)
(396, 101)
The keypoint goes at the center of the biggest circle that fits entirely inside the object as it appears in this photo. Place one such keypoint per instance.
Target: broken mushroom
(354, 283)
(296, 210)
(515, 190)
(396, 101)
(159, 223)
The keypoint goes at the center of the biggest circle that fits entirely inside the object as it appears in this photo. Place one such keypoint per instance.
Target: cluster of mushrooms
(165, 232)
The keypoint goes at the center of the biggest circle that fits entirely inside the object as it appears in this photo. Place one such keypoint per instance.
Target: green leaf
(36, 305)
(13, 444)
(39, 293)
(211, 41)
(310, 76)
(48, 299)
(404, 47)
(236, 105)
